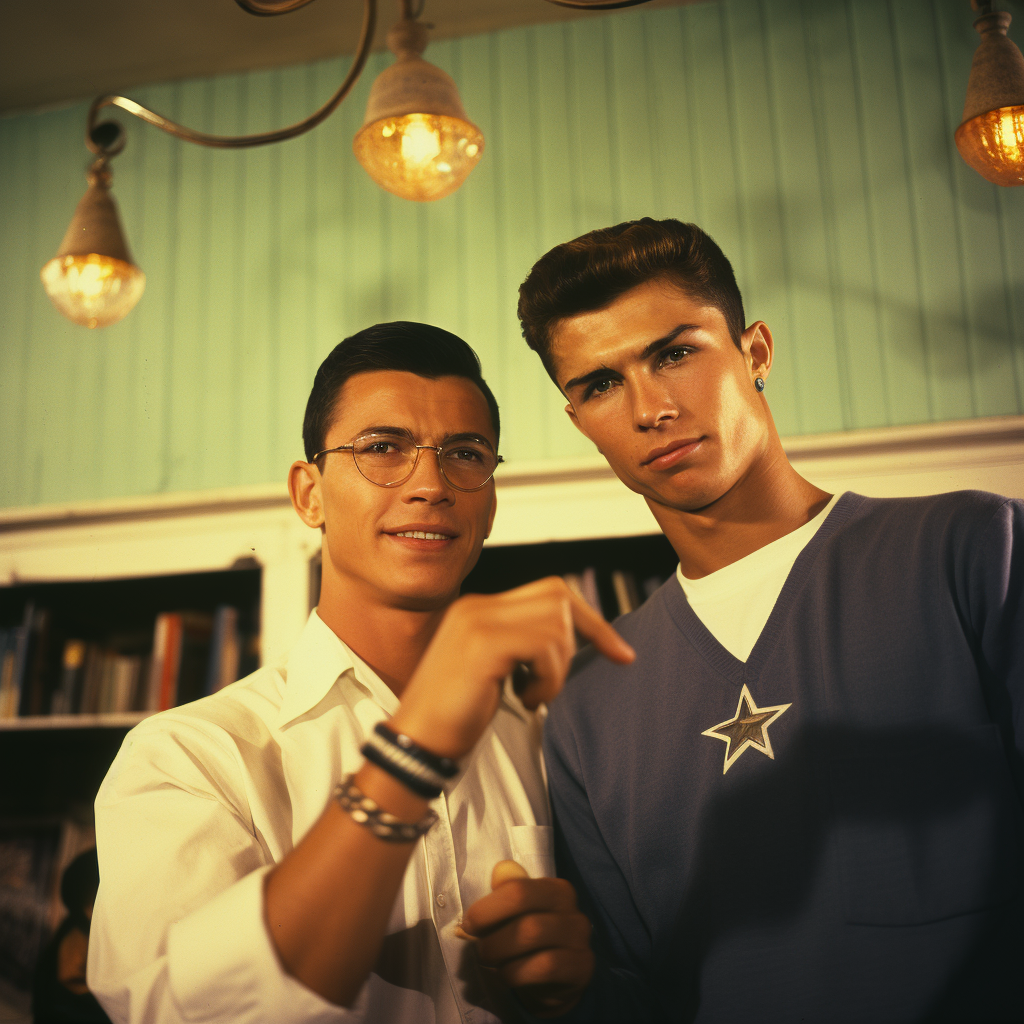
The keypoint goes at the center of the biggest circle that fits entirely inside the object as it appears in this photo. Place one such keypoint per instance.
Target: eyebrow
(466, 435)
(650, 349)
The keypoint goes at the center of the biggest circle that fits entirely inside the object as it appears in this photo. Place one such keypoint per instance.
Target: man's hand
(531, 931)
(456, 687)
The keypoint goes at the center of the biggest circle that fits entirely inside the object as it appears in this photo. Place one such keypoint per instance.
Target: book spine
(171, 663)
(22, 640)
(7, 705)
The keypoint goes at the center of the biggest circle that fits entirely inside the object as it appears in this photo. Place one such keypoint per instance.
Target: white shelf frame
(543, 501)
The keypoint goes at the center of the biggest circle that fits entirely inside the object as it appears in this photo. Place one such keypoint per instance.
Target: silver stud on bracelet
(368, 813)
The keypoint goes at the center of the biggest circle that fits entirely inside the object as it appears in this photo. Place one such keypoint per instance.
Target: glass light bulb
(419, 156)
(993, 144)
(93, 290)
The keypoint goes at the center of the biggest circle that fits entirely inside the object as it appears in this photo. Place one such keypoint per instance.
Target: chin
(426, 595)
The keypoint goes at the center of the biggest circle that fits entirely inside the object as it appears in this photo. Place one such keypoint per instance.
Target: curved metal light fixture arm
(98, 145)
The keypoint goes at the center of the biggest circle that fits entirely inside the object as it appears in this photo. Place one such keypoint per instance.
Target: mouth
(672, 454)
(423, 536)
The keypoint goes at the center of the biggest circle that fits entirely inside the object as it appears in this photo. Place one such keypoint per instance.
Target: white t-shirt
(735, 602)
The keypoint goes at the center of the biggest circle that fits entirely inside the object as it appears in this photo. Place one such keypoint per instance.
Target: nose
(653, 406)
(427, 483)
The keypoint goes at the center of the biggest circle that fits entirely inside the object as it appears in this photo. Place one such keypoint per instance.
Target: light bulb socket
(95, 226)
(997, 71)
(413, 86)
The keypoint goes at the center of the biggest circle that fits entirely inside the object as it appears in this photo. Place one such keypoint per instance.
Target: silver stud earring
(759, 384)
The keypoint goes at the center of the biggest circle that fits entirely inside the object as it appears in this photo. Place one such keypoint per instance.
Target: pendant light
(991, 137)
(416, 141)
(92, 279)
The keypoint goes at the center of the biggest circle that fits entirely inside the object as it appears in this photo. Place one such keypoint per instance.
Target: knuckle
(565, 892)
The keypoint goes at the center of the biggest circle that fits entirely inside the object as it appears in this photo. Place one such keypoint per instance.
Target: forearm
(328, 902)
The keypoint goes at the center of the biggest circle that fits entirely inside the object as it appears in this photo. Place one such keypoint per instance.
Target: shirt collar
(317, 661)
(321, 658)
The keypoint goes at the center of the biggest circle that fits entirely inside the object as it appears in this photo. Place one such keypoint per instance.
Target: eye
(601, 386)
(676, 354)
(378, 446)
(464, 454)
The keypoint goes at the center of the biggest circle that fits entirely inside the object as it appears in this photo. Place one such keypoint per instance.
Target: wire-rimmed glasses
(387, 460)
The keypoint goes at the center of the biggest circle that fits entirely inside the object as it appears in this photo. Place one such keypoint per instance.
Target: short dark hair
(403, 345)
(593, 270)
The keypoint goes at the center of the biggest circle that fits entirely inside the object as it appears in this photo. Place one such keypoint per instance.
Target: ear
(571, 413)
(494, 508)
(758, 349)
(304, 484)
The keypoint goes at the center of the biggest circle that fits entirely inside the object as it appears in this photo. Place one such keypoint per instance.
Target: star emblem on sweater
(747, 729)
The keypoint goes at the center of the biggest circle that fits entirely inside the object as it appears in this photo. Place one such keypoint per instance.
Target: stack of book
(193, 654)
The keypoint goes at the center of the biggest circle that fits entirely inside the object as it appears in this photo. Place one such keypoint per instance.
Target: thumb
(505, 871)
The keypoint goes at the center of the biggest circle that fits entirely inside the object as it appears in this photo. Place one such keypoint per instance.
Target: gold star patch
(748, 729)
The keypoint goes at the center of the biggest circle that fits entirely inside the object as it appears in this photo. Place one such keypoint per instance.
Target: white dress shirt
(201, 801)
(734, 603)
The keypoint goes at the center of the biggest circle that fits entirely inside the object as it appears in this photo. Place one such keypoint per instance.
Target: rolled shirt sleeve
(178, 930)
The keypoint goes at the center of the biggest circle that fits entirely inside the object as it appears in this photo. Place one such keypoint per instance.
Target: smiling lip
(423, 533)
(671, 454)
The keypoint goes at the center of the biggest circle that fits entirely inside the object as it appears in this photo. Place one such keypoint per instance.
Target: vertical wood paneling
(812, 140)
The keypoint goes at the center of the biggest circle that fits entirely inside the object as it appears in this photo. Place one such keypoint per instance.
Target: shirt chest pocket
(927, 830)
(533, 848)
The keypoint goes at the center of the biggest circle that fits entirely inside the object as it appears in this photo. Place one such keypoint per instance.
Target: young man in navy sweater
(803, 800)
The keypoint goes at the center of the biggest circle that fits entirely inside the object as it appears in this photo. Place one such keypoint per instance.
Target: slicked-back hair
(592, 271)
(422, 349)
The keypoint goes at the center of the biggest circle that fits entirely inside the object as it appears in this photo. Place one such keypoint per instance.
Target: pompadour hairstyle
(593, 270)
(403, 345)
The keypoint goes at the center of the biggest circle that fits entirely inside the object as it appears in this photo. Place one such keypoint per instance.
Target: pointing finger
(599, 632)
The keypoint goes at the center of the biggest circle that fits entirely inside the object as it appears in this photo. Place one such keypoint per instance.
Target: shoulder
(596, 683)
(952, 519)
(953, 507)
(202, 744)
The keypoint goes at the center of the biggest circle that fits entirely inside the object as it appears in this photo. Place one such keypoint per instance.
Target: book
(225, 650)
(22, 637)
(163, 669)
(67, 696)
(624, 584)
(588, 585)
(125, 681)
(92, 681)
(35, 697)
(8, 705)
(196, 637)
(179, 668)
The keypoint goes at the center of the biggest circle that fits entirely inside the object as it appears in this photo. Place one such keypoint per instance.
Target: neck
(770, 500)
(391, 640)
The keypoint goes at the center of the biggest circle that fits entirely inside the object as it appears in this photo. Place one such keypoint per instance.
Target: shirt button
(441, 899)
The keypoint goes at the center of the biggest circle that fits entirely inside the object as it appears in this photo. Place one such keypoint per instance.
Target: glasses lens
(468, 465)
(384, 459)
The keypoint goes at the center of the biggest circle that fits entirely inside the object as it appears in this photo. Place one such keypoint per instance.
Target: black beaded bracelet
(381, 760)
(444, 766)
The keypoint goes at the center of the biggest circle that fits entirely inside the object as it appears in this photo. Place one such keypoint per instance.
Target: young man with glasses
(803, 799)
(316, 842)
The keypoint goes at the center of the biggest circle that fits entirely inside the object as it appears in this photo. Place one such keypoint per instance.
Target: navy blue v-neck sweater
(832, 830)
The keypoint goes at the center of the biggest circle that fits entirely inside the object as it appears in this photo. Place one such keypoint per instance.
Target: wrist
(428, 735)
(390, 794)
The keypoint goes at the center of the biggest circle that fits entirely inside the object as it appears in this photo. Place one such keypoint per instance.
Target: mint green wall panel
(813, 140)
